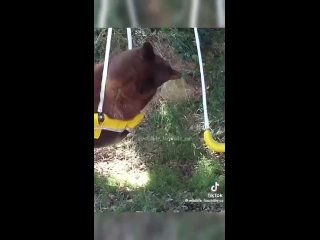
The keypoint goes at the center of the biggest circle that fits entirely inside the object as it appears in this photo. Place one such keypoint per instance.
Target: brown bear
(133, 79)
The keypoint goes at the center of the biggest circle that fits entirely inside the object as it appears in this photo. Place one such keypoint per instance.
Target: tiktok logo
(214, 188)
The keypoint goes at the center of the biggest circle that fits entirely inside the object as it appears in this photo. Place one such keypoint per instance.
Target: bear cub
(133, 79)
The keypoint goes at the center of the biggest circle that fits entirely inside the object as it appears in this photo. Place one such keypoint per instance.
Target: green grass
(178, 165)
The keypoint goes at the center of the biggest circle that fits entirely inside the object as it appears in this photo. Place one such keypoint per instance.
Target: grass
(165, 162)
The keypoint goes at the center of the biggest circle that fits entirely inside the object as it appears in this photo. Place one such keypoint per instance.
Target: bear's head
(133, 79)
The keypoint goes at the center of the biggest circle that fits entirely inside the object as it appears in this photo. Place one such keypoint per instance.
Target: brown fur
(133, 79)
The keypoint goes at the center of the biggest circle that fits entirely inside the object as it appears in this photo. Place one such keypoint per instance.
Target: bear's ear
(147, 51)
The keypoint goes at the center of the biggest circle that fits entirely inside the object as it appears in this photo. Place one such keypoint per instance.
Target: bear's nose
(176, 75)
